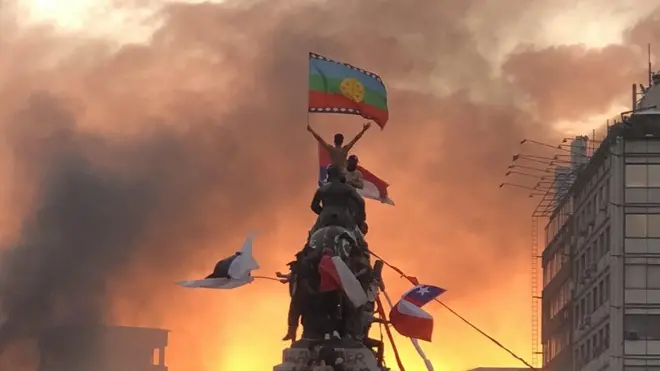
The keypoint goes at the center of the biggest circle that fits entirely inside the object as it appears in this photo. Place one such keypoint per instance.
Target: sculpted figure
(338, 204)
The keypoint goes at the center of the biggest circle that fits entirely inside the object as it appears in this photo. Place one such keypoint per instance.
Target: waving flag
(374, 187)
(230, 272)
(420, 295)
(408, 317)
(336, 87)
(335, 275)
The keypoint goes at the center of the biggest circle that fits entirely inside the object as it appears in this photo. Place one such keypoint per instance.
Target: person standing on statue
(339, 152)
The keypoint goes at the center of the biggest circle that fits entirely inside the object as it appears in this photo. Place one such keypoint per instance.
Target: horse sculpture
(333, 312)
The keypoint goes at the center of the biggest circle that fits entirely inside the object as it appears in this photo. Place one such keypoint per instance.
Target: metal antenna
(650, 67)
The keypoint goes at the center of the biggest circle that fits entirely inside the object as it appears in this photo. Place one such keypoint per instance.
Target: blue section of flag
(420, 295)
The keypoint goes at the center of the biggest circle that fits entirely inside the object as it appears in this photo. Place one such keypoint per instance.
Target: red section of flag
(321, 100)
(411, 321)
(330, 280)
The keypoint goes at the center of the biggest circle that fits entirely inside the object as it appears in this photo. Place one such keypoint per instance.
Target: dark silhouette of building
(101, 348)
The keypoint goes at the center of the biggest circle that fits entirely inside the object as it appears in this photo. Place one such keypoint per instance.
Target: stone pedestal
(355, 359)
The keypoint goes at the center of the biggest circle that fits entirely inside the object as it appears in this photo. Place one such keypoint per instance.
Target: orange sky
(132, 166)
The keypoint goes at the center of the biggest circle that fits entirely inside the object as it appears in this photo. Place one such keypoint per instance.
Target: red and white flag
(375, 188)
(408, 317)
(335, 275)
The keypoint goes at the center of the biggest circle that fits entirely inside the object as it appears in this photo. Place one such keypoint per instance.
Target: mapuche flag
(337, 87)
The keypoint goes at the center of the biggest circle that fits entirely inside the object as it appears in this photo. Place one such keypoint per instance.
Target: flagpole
(268, 278)
(415, 343)
(309, 65)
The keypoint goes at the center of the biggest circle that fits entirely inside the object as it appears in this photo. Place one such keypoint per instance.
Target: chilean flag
(231, 272)
(408, 317)
(374, 187)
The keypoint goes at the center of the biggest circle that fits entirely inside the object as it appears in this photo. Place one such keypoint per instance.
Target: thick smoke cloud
(136, 166)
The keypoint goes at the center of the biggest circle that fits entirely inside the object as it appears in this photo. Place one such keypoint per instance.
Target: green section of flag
(331, 86)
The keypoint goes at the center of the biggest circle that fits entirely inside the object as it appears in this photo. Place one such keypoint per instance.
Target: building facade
(101, 348)
(557, 316)
(601, 261)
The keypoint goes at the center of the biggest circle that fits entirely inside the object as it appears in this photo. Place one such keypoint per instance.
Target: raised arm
(318, 138)
(316, 202)
(357, 137)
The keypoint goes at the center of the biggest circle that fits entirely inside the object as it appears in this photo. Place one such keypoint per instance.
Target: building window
(596, 298)
(635, 276)
(607, 239)
(607, 287)
(643, 225)
(635, 176)
(653, 276)
(636, 225)
(653, 225)
(606, 337)
(653, 175)
(642, 176)
(641, 326)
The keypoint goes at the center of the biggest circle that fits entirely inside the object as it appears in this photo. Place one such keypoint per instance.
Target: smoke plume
(130, 166)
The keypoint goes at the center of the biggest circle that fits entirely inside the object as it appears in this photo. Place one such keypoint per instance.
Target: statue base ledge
(356, 357)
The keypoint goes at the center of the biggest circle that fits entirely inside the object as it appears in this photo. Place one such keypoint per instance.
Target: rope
(492, 339)
(381, 313)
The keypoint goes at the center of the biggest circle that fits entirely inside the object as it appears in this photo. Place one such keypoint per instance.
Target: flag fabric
(335, 275)
(231, 272)
(407, 316)
(374, 187)
(337, 87)
(421, 295)
(415, 343)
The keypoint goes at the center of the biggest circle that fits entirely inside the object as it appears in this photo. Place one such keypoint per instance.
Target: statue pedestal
(356, 358)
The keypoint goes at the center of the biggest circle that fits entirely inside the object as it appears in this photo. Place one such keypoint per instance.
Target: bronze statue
(338, 204)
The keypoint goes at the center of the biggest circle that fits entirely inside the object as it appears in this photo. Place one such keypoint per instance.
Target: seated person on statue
(338, 204)
(339, 152)
(354, 176)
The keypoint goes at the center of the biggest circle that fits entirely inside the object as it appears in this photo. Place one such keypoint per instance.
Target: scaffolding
(542, 212)
(536, 308)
